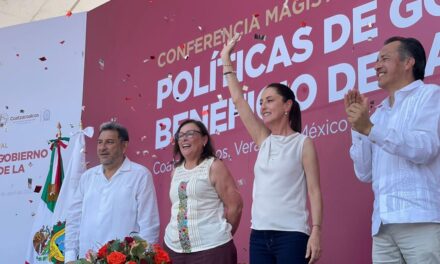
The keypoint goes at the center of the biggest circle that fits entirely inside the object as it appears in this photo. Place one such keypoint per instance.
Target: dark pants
(224, 254)
(281, 247)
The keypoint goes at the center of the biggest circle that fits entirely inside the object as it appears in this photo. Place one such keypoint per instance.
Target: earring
(285, 113)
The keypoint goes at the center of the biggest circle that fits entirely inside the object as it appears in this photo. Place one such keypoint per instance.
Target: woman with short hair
(206, 204)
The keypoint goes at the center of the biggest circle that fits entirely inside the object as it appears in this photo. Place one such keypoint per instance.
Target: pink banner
(152, 64)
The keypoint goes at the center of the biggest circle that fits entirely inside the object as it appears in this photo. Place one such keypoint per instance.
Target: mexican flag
(46, 243)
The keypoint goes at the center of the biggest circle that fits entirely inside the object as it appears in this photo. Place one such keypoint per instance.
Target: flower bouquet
(131, 250)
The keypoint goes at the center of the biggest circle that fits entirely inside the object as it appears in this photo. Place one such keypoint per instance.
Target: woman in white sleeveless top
(206, 205)
(286, 172)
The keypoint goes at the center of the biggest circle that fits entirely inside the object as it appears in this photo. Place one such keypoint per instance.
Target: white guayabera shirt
(401, 157)
(104, 209)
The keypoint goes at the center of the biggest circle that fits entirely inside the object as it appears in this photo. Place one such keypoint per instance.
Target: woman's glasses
(188, 134)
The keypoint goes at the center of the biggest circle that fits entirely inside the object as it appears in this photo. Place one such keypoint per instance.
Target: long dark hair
(411, 47)
(208, 149)
(295, 111)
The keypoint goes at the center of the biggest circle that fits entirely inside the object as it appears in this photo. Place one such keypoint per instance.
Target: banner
(41, 80)
(161, 65)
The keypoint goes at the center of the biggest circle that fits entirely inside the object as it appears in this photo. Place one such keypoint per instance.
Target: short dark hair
(411, 47)
(208, 149)
(122, 131)
(295, 111)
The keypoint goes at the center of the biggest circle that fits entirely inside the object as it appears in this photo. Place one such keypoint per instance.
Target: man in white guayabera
(397, 150)
(113, 199)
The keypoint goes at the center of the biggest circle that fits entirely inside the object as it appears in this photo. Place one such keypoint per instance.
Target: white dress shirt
(104, 209)
(401, 157)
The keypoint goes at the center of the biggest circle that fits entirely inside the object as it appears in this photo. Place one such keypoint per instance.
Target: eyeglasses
(188, 134)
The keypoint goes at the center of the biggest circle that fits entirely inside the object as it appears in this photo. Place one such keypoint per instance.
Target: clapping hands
(357, 109)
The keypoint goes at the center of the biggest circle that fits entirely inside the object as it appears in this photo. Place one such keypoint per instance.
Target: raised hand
(229, 47)
(353, 96)
(358, 114)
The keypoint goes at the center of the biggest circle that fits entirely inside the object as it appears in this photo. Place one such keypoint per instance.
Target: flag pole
(59, 130)
(55, 176)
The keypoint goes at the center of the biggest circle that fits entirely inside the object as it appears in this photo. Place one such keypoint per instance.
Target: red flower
(129, 240)
(116, 258)
(161, 256)
(102, 252)
(130, 250)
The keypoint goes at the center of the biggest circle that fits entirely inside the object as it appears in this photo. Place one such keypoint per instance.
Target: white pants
(407, 243)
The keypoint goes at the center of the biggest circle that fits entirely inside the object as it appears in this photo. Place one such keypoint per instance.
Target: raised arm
(255, 127)
(227, 190)
(419, 141)
(356, 107)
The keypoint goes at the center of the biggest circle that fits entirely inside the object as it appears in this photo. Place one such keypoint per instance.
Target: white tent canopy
(13, 12)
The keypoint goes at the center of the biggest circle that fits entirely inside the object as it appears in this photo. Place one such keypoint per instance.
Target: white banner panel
(41, 84)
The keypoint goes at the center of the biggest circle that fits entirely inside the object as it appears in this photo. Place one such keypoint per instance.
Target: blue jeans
(280, 247)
